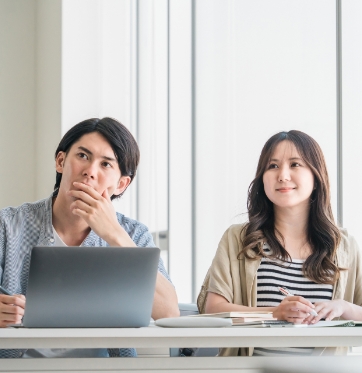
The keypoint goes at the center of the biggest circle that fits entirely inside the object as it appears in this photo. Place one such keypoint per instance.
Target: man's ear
(59, 162)
(123, 183)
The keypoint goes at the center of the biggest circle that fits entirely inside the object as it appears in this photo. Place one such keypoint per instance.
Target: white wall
(97, 70)
(29, 98)
(153, 114)
(180, 147)
(352, 115)
(48, 76)
(17, 102)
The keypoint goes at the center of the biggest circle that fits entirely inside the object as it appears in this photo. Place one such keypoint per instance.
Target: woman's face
(288, 181)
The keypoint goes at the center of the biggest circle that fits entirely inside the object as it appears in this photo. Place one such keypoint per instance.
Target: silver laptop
(90, 287)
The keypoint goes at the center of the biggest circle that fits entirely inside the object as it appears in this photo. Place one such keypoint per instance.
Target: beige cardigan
(235, 279)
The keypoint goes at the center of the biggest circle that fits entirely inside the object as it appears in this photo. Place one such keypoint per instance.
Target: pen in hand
(4, 291)
(287, 293)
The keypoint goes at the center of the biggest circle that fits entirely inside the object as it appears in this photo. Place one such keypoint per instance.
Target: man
(95, 162)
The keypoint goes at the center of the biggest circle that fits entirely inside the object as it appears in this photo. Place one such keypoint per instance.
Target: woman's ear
(59, 162)
(123, 183)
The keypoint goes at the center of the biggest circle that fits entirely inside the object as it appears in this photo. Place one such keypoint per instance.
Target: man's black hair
(124, 145)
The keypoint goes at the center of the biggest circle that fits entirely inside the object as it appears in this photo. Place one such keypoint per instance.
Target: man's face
(91, 161)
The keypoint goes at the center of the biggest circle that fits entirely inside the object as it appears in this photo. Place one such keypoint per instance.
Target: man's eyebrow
(90, 153)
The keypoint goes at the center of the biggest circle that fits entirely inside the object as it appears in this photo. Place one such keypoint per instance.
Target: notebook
(319, 324)
(264, 324)
(239, 318)
(330, 324)
(258, 314)
(90, 287)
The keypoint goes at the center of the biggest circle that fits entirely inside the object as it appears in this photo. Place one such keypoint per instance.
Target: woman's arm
(217, 303)
(336, 308)
(351, 311)
(293, 309)
(353, 288)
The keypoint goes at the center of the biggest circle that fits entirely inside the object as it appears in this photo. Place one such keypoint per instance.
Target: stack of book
(243, 318)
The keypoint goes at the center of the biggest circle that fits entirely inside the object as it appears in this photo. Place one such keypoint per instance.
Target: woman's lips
(285, 190)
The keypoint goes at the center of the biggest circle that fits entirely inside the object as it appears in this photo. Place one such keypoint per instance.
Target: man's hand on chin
(99, 213)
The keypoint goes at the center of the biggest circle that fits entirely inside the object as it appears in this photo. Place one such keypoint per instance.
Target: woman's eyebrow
(290, 159)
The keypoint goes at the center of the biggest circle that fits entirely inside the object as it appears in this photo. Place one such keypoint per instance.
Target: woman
(290, 241)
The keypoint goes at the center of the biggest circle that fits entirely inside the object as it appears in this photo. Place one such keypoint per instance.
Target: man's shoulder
(25, 209)
(136, 230)
(129, 223)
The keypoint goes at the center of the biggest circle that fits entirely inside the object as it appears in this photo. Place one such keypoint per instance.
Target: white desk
(162, 337)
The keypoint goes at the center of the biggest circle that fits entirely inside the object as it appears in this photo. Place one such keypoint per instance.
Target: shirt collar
(46, 237)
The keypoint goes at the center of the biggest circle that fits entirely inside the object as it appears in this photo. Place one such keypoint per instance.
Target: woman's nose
(284, 174)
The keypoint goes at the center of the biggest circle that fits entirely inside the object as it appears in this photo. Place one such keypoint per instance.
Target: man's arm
(98, 211)
(165, 302)
(11, 306)
(11, 309)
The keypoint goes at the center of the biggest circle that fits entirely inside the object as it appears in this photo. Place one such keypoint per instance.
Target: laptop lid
(90, 287)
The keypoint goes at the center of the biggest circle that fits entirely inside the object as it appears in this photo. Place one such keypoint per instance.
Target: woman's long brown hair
(322, 233)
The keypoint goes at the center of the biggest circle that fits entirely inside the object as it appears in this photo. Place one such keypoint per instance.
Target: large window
(203, 84)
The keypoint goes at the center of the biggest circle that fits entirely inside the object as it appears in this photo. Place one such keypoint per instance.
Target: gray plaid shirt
(29, 225)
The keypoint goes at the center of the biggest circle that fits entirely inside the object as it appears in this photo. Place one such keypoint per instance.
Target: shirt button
(51, 240)
(21, 354)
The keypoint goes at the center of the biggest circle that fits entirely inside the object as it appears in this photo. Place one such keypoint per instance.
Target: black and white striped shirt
(270, 276)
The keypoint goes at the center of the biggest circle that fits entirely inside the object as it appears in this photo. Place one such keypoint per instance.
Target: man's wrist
(120, 238)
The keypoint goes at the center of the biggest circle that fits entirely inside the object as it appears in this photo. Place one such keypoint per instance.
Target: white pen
(287, 293)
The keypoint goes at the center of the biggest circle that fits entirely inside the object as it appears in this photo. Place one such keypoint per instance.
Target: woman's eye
(296, 164)
(272, 165)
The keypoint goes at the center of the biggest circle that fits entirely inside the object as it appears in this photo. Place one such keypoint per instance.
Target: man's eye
(106, 164)
(82, 155)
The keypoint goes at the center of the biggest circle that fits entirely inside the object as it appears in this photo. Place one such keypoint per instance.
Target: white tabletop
(180, 337)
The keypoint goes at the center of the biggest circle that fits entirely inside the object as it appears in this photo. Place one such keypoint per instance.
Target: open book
(329, 324)
(281, 323)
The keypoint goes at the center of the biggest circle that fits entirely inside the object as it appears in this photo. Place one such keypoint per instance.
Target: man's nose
(90, 170)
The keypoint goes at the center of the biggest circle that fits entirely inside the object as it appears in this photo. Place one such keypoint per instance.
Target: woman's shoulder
(236, 229)
(347, 239)
(348, 248)
(231, 241)
(235, 232)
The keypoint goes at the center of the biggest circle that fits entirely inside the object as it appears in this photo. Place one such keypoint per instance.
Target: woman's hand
(328, 310)
(11, 309)
(294, 309)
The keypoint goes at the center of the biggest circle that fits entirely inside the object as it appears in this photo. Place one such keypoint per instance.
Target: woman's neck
(292, 225)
